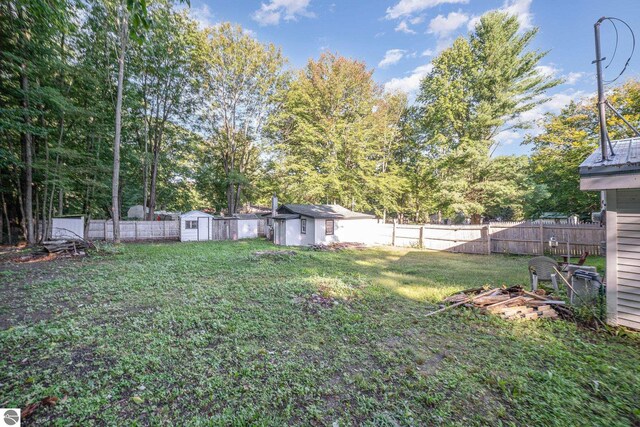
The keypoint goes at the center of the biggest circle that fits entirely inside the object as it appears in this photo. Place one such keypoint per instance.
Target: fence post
(104, 230)
(541, 238)
(393, 234)
(489, 239)
(164, 229)
(421, 245)
(135, 234)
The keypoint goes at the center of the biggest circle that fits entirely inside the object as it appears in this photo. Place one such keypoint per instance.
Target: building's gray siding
(626, 283)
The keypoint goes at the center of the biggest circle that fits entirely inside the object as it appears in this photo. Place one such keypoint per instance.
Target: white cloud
(547, 70)
(271, 13)
(509, 136)
(442, 26)
(404, 28)
(202, 15)
(535, 116)
(250, 33)
(409, 7)
(473, 21)
(409, 84)
(554, 105)
(427, 52)
(572, 78)
(519, 8)
(392, 56)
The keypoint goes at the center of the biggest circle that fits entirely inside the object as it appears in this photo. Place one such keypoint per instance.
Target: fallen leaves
(32, 407)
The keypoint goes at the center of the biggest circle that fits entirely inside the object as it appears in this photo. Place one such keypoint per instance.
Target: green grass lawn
(205, 334)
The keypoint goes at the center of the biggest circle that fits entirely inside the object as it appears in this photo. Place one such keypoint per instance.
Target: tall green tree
(335, 136)
(239, 80)
(164, 70)
(477, 88)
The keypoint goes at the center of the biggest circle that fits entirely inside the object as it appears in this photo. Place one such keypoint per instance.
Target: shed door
(203, 228)
(282, 232)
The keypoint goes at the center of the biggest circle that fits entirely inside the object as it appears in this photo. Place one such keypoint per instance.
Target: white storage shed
(195, 226)
(201, 226)
(303, 225)
(618, 177)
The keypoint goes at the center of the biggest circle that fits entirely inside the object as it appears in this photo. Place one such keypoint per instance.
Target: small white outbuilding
(195, 226)
(303, 225)
(201, 226)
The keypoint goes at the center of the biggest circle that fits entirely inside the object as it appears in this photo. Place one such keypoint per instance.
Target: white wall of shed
(348, 230)
(247, 228)
(191, 235)
(67, 228)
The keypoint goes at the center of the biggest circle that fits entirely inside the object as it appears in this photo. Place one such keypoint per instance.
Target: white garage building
(303, 225)
(618, 177)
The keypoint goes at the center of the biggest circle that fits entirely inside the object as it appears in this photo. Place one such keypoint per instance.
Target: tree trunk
(60, 202)
(27, 150)
(230, 197)
(145, 170)
(6, 217)
(154, 178)
(115, 183)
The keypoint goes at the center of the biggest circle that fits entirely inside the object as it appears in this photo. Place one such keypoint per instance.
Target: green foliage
(476, 89)
(568, 138)
(239, 78)
(335, 137)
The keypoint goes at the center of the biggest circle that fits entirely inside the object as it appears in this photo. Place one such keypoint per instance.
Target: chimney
(274, 205)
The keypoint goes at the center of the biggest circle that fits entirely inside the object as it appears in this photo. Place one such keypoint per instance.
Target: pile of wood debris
(509, 303)
(336, 246)
(67, 247)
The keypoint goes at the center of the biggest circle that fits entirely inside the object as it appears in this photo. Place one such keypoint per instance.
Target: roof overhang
(286, 216)
(620, 170)
(610, 181)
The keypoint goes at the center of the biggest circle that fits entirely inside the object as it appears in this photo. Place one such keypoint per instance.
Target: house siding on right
(623, 260)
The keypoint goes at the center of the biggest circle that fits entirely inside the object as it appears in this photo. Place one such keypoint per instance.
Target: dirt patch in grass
(17, 285)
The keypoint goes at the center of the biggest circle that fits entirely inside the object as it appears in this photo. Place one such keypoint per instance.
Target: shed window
(191, 225)
(328, 227)
(303, 226)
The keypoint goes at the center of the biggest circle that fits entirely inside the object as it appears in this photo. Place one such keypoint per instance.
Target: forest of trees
(106, 104)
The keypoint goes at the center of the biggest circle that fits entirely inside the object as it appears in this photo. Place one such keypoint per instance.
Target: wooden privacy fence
(518, 238)
(134, 230)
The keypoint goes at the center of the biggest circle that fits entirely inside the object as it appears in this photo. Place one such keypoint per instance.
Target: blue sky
(398, 39)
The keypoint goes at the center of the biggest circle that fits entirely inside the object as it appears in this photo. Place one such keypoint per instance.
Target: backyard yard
(209, 334)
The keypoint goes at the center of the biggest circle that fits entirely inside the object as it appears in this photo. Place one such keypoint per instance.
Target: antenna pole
(602, 114)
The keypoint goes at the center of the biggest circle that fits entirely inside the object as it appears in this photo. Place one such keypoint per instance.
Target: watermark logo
(9, 417)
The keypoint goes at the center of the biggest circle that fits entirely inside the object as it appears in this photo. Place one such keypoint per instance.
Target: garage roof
(323, 211)
(626, 159)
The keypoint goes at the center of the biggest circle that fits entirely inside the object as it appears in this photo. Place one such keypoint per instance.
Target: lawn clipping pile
(509, 303)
